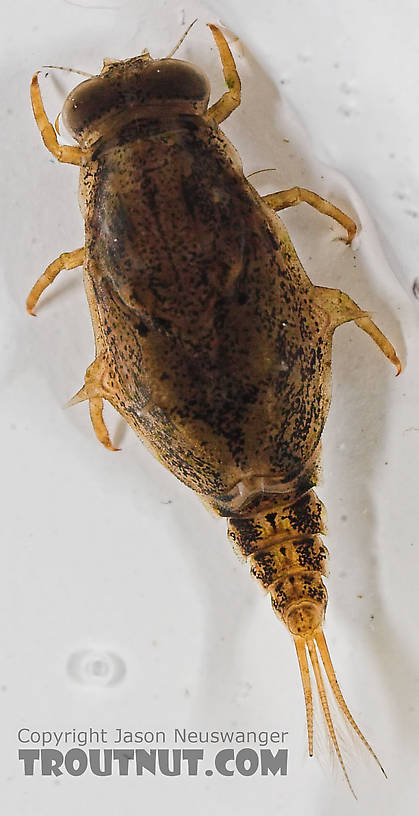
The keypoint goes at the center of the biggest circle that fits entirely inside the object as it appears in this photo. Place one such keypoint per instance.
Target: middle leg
(296, 195)
(68, 260)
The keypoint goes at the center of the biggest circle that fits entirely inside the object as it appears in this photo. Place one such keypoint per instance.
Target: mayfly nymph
(211, 341)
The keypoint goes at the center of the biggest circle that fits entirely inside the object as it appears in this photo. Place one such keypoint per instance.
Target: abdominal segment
(286, 553)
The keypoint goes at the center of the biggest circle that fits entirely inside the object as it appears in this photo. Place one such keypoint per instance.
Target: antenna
(73, 70)
(173, 51)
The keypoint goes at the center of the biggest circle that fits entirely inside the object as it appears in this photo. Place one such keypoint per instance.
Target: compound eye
(129, 86)
(175, 79)
(84, 104)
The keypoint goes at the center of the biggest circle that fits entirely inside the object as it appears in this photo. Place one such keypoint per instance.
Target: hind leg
(95, 390)
(342, 309)
(296, 195)
(99, 427)
(369, 327)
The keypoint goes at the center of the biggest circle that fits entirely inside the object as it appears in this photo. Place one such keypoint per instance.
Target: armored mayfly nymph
(211, 341)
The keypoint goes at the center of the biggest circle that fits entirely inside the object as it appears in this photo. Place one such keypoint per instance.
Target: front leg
(231, 99)
(64, 153)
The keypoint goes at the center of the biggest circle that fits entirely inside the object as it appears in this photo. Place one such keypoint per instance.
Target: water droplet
(95, 668)
(347, 110)
(244, 690)
(348, 88)
(304, 57)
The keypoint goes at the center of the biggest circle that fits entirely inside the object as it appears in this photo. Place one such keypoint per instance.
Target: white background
(110, 565)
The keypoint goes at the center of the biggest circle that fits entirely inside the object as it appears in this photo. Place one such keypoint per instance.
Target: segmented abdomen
(283, 545)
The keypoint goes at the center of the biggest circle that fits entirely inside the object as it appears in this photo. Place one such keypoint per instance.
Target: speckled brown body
(219, 351)
(211, 340)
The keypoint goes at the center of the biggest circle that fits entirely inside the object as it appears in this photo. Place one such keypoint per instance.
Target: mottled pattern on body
(221, 356)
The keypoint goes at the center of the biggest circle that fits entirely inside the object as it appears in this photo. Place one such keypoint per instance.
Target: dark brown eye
(175, 79)
(131, 85)
(88, 102)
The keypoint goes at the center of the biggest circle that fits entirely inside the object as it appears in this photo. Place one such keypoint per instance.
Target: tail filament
(289, 559)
